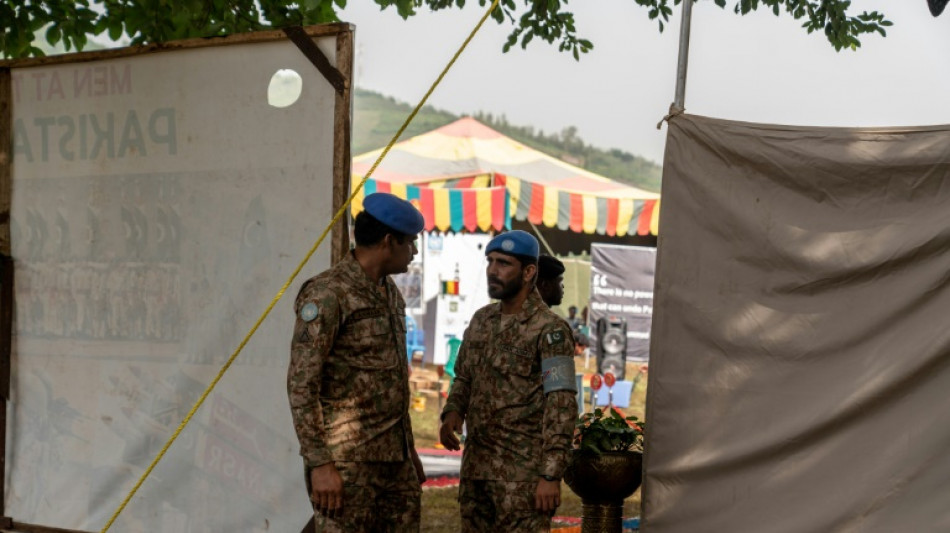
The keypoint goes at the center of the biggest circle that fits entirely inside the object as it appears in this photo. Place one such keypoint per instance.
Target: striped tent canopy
(476, 208)
(467, 156)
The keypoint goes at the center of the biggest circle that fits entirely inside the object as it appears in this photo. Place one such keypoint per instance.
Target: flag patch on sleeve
(555, 337)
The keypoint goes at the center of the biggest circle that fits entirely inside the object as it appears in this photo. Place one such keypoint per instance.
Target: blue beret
(515, 242)
(394, 212)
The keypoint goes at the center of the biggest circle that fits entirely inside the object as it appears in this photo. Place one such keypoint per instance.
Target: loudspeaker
(612, 346)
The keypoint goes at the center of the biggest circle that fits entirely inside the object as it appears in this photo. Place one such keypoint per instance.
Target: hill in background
(378, 117)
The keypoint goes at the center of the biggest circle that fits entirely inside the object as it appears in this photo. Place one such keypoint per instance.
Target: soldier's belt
(557, 373)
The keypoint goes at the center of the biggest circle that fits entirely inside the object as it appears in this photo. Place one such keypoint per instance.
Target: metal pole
(679, 102)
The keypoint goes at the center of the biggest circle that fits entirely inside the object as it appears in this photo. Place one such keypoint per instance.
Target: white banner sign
(159, 203)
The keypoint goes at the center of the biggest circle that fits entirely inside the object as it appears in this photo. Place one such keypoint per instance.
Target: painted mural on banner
(621, 291)
(159, 203)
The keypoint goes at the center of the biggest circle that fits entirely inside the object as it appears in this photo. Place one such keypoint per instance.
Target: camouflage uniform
(516, 433)
(348, 385)
(377, 497)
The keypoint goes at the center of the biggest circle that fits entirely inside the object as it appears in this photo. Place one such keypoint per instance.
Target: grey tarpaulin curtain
(800, 373)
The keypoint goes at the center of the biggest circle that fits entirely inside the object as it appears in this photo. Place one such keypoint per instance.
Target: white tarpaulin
(159, 203)
(458, 257)
(800, 358)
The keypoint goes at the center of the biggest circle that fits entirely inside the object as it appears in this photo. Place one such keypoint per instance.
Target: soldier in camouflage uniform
(514, 388)
(348, 380)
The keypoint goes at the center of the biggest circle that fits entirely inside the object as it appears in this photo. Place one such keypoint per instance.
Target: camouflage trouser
(377, 497)
(489, 506)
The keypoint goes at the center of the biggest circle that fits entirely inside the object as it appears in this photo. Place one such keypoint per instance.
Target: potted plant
(605, 466)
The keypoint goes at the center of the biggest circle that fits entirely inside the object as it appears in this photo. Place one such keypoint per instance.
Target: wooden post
(6, 269)
(33, 528)
(6, 345)
(6, 157)
(342, 159)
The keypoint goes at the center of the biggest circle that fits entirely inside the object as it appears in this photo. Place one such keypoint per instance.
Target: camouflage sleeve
(407, 419)
(461, 389)
(560, 406)
(318, 319)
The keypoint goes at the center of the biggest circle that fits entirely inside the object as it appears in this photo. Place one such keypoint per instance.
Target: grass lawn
(440, 508)
(440, 511)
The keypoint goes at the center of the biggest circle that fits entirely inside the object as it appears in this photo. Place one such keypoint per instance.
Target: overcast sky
(758, 68)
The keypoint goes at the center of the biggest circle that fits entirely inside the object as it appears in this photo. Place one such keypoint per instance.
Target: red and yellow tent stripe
(581, 213)
(446, 209)
(468, 156)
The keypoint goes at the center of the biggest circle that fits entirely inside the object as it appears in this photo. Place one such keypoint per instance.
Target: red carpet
(436, 451)
(441, 482)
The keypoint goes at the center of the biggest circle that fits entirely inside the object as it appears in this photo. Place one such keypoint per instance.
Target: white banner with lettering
(159, 203)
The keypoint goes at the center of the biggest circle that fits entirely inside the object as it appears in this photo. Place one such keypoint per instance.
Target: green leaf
(115, 31)
(53, 35)
(526, 39)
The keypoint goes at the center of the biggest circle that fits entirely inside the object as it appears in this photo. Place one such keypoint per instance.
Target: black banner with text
(621, 291)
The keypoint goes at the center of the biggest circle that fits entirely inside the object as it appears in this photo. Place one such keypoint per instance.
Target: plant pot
(603, 482)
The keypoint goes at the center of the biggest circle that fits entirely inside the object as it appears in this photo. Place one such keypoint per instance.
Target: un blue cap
(515, 242)
(394, 212)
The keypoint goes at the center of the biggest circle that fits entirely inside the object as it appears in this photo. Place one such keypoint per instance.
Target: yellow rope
(296, 271)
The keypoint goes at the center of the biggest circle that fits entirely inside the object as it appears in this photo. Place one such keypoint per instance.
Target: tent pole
(541, 238)
(679, 101)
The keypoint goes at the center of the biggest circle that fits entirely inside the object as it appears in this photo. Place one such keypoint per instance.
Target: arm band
(557, 373)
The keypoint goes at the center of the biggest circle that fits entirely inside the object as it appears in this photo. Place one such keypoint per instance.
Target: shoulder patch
(308, 312)
(554, 337)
